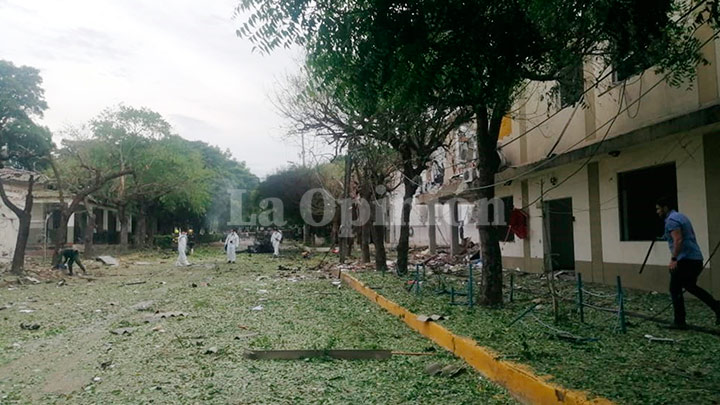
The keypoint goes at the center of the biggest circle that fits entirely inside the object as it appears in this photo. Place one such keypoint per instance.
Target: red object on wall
(519, 223)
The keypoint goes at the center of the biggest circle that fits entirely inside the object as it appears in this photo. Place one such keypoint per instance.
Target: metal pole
(417, 279)
(621, 304)
(647, 256)
(470, 286)
(512, 286)
(580, 298)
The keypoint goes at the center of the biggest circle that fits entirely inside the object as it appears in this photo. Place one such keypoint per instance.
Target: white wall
(577, 189)
(691, 195)
(9, 223)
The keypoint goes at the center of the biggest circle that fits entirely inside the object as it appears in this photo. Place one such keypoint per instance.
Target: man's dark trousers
(685, 277)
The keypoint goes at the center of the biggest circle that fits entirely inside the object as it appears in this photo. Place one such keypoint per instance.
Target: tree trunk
(24, 218)
(487, 165)
(307, 235)
(379, 242)
(18, 262)
(123, 218)
(61, 236)
(403, 247)
(152, 228)
(89, 232)
(366, 231)
(141, 231)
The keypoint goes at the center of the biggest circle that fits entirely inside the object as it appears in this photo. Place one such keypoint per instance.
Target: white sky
(180, 58)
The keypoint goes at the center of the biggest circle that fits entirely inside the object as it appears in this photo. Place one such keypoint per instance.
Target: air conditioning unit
(468, 175)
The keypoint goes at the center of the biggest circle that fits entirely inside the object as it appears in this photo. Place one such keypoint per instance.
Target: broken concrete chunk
(108, 260)
(433, 369)
(212, 350)
(423, 318)
(452, 370)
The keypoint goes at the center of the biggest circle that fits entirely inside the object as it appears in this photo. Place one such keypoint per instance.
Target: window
(638, 190)
(571, 85)
(503, 231)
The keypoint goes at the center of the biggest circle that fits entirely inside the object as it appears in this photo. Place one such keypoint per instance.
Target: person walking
(686, 263)
(182, 260)
(275, 239)
(231, 243)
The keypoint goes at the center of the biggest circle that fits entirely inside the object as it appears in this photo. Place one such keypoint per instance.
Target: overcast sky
(180, 58)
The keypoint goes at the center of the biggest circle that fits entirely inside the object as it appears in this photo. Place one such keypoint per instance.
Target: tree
(75, 180)
(476, 55)
(126, 133)
(25, 144)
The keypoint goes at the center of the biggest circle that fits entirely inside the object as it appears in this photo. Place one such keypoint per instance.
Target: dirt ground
(57, 345)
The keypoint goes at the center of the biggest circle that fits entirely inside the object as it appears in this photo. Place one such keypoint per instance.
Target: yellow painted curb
(520, 381)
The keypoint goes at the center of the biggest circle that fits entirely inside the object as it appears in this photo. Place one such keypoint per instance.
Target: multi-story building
(602, 155)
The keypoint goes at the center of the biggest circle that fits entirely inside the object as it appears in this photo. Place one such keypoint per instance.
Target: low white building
(45, 218)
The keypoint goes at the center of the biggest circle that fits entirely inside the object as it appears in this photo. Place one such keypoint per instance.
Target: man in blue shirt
(686, 263)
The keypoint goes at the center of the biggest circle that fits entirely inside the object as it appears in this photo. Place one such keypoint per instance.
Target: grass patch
(627, 368)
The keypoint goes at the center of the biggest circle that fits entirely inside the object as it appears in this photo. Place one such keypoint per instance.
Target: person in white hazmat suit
(275, 239)
(182, 260)
(231, 243)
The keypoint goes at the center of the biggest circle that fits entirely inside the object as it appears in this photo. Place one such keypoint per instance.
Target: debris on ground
(163, 315)
(426, 318)
(142, 263)
(212, 350)
(257, 308)
(27, 326)
(142, 305)
(449, 370)
(123, 331)
(108, 260)
(246, 336)
(134, 283)
(652, 338)
(452, 370)
(305, 354)
(32, 280)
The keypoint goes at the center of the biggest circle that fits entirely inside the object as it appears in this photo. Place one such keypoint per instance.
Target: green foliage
(21, 100)
(290, 184)
(163, 241)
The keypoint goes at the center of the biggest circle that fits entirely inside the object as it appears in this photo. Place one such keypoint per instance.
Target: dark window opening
(571, 85)
(638, 190)
(503, 231)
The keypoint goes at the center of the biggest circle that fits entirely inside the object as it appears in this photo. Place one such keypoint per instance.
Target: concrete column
(526, 242)
(596, 247)
(432, 225)
(105, 226)
(71, 229)
(711, 146)
(454, 229)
